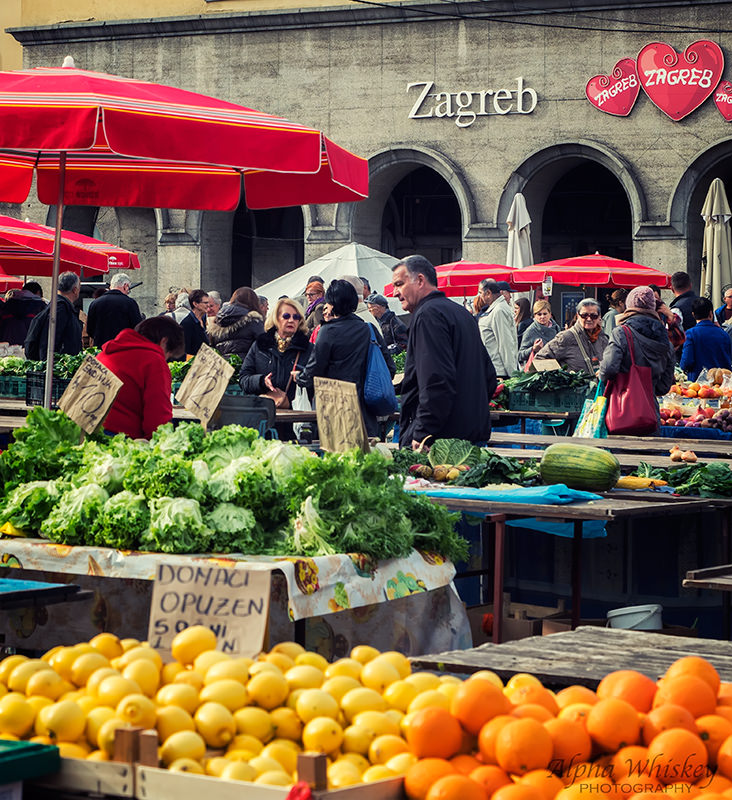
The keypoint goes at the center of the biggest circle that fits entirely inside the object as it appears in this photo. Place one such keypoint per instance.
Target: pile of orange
(631, 738)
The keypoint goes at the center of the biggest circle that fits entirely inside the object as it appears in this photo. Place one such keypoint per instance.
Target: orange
(570, 742)
(629, 685)
(681, 789)
(420, 776)
(724, 711)
(523, 745)
(434, 733)
(695, 665)
(713, 730)
(590, 787)
(577, 712)
(724, 758)
(677, 755)
(630, 764)
(689, 691)
(575, 694)
(544, 780)
(533, 710)
(487, 737)
(464, 763)
(713, 783)
(490, 777)
(530, 693)
(456, 787)
(664, 717)
(518, 791)
(612, 724)
(475, 702)
(724, 694)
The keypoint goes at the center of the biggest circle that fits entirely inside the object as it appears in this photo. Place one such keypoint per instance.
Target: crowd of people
(455, 357)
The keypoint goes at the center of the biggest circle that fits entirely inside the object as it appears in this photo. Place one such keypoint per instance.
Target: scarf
(593, 335)
(311, 307)
(620, 319)
(282, 343)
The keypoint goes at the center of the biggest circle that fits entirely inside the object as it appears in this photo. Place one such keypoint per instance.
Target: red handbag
(631, 407)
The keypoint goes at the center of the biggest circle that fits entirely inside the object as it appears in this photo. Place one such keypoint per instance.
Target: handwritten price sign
(90, 394)
(205, 384)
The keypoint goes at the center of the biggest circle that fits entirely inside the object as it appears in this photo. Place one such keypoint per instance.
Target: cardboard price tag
(90, 394)
(234, 603)
(544, 365)
(205, 384)
(338, 412)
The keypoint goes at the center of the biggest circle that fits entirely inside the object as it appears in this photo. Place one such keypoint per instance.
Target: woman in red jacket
(139, 359)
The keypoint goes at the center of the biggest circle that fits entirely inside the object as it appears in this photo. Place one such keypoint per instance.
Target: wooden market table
(583, 656)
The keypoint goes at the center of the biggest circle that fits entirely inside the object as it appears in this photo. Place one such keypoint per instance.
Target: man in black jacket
(684, 296)
(393, 329)
(68, 327)
(114, 311)
(449, 379)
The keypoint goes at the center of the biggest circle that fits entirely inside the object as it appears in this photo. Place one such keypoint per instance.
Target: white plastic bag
(301, 402)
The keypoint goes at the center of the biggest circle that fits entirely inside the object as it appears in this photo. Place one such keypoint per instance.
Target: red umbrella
(461, 278)
(9, 282)
(592, 270)
(27, 249)
(125, 142)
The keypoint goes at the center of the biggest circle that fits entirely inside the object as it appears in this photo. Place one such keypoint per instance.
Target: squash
(579, 466)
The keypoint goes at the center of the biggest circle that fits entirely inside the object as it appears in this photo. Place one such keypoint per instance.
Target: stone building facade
(456, 105)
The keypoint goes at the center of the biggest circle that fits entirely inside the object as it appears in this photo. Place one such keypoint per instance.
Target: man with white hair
(113, 311)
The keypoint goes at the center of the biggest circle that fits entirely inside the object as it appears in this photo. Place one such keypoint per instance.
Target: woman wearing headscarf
(651, 347)
(238, 323)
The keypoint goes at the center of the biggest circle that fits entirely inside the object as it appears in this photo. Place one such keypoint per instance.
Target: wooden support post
(312, 769)
(148, 748)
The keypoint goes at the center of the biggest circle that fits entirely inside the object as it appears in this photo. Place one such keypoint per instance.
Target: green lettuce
(124, 519)
(73, 519)
(453, 452)
(29, 504)
(176, 526)
(233, 528)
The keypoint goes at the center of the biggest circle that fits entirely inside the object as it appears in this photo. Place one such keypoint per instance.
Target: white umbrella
(716, 276)
(519, 234)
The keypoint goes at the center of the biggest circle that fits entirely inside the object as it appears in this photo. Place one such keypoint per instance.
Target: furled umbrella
(103, 140)
(519, 253)
(716, 275)
(590, 270)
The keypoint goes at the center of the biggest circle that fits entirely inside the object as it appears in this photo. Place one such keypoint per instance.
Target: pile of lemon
(222, 715)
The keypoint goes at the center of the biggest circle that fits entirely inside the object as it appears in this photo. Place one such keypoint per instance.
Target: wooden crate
(105, 778)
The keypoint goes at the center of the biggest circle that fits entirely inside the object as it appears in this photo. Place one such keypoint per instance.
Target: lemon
(178, 694)
(486, 675)
(145, 674)
(183, 744)
(114, 687)
(46, 683)
(205, 660)
(398, 660)
(322, 735)
(395, 716)
(127, 644)
(268, 689)
(280, 660)
(357, 739)
(245, 741)
(234, 669)
(290, 649)
(401, 762)
(312, 660)
(238, 754)
(255, 722)
(377, 674)
(186, 765)
(39, 739)
(385, 747)
(364, 653)
(264, 666)
(377, 721)
(286, 756)
(72, 750)
(361, 762)
(191, 642)
(304, 676)
(274, 778)
(362, 699)
(38, 702)
(86, 703)
(343, 773)
(170, 720)
(49, 653)
(10, 737)
(431, 698)
(94, 721)
(378, 772)
(238, 771)
(139, 651)
(227, 691)
(92, 684)
(448, 689)
(264, 764)
(289, 743)
(190, 677)
(63, 721)
(215, 723)
(16, 715)
(400, 694)
(338, 685)
(63, 659)
(8, 664)
(286, 723)
(97, 755)
(84, 665)
(107, 644)
(169, 671)
(423, 681)
(519, 680)
(313, 703)
(215, 766)
(137, 709)
(348, 667)
(19, 677)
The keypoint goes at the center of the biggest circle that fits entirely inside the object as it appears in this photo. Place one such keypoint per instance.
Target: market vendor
(579, 348)
(139, 358)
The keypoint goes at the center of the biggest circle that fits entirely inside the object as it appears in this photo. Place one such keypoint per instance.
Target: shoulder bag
(631, 407)
(281, 400)
(582, 350)
(378, 390)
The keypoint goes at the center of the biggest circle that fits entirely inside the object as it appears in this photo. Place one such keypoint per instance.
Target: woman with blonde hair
(542, 330)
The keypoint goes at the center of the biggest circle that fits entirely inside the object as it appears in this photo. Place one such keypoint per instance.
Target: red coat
(143, 402)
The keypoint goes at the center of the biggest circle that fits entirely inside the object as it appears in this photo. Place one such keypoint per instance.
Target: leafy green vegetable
(494, 468)
(156, 476)
(176, 526)
(454, 452)
(29, 504)
(124, 519)
(705, 480)
(549, 381)
(311, 534)
(73, 519)
(222, 446)
(234, 527)
(185, 439)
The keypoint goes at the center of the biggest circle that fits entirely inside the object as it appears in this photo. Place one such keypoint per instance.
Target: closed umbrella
(519, 252)
(716, 276)
(103, 140)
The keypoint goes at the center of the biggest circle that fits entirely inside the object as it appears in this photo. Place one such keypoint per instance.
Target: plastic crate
(21, 761)
(12, 386)
(35, 385)
(570, 400)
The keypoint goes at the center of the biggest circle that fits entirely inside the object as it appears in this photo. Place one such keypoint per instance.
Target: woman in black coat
(284, 346)
(237, 325)
(342, 347)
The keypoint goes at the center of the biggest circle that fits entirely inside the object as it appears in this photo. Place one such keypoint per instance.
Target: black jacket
(68, 330)
(449, 379)
(16, 315)
(395, 332)
(683, 303)
(110, 314)
(235, 329)
(340, 352)
(264, 357)
(193, 332)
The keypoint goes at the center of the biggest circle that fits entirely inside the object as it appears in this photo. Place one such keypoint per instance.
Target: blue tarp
(674, 432)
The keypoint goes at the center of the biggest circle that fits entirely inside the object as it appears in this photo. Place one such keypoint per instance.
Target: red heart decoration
(615, 93)
(723, 99)
(678, 83)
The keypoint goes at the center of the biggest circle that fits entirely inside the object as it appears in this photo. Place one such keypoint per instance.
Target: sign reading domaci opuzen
(465, 106)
